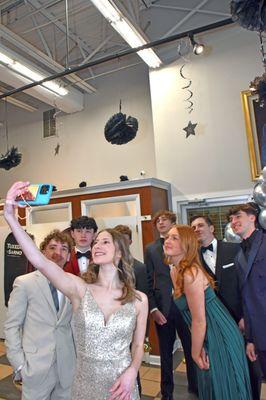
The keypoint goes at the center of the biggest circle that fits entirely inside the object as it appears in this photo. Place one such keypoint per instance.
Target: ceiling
(53, 35)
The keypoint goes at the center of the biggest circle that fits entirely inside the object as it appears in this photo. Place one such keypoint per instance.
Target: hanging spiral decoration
(188, 86)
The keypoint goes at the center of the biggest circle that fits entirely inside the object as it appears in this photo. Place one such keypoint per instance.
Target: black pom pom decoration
(11, 159)
(123, 178)
(83, 184)
(120, 129)
(250, 14)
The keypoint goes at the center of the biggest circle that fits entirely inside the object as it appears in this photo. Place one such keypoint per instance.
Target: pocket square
(228, 265)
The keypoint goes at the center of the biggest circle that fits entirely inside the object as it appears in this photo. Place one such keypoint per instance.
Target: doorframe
(48, 207)
(86, 204)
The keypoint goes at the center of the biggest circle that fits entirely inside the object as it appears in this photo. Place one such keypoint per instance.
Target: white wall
(84, 153)
(216, 159)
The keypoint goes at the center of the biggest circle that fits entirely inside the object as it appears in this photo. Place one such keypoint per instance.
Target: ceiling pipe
(123, 53)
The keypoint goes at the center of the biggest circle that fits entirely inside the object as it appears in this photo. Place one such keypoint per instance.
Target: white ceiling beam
(63, 59)
(36, 54)
(60, 25)
(19, 103)
(183, 20)
(63, 39)
(36, 11)
(113, 70)
(132, 10)
(44, 43)
(176, 8)
(51, 21)
(27, 15)
(95, 51)
(72, 102)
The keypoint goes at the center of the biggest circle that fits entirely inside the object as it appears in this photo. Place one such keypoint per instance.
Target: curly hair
(190, 263)
(124, 229)
(164, 213)
(125, 268)
(58, 236)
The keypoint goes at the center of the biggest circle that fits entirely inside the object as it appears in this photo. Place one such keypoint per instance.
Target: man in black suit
(167, 317)
(218, 258)
(251, 261)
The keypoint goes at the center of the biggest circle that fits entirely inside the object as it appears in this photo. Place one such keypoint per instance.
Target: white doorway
(121, 210)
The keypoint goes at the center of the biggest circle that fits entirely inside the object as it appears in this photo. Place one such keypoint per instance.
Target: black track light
(197, 47)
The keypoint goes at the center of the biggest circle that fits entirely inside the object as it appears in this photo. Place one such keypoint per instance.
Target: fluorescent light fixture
(32, 75)
(128, 32)
(4, 59)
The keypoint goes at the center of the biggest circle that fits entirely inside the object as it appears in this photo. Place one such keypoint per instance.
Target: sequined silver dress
(103, 349)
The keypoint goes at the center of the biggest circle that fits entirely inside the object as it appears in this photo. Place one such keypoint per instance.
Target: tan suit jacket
(36, 335)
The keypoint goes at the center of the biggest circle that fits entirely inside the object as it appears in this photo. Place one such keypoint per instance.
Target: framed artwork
(255, 120)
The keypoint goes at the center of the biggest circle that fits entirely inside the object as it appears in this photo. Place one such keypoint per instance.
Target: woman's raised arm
(72, 286)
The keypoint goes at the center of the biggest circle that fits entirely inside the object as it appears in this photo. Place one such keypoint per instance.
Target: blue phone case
(42, 193)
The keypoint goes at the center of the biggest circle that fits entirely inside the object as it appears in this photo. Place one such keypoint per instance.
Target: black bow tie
(210, 247)
(87, 254)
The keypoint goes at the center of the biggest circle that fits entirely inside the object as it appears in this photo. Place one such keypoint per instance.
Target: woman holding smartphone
(217, 345)
(109, 314)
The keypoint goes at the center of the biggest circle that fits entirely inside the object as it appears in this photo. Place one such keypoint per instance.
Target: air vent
(49, 123)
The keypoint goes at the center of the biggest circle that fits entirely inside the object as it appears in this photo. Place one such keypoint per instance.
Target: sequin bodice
(103, 348)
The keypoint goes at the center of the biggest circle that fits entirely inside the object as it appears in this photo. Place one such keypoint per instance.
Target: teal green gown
(228, 376)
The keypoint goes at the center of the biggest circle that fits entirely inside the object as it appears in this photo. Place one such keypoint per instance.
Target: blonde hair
(125, 268)
(190, 263)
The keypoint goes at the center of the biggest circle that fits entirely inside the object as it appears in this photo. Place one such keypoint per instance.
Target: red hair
(191, 261)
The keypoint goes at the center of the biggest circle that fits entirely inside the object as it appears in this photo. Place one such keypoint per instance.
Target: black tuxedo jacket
(226, 277)
(252, 275)
(159, 280)
(140, 272)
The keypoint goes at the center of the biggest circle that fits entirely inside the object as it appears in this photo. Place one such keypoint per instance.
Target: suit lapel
(160, 247)
(74, 262)
(253, 252)
(243, 266)
(43, 284)
(161, 254)
(219, 262)
(206, 267)
(63, 308)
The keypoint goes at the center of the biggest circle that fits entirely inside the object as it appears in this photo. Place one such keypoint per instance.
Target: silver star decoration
(56, 150)
(190, 129)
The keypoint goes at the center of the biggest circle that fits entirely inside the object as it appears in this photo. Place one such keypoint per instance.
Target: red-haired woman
(217, 345)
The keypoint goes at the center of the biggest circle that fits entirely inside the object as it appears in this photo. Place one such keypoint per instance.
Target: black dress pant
(255, 378)
(262, 362)
(167, 336)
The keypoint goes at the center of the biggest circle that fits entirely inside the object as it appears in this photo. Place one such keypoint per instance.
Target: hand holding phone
(36, 195)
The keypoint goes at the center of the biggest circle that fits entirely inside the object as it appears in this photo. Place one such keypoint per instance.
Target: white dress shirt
(210, 256)
(83, 262)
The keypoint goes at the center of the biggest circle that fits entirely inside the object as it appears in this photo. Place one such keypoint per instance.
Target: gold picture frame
(255, 121)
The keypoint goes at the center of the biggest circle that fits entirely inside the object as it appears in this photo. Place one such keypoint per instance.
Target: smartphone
(37, 195)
